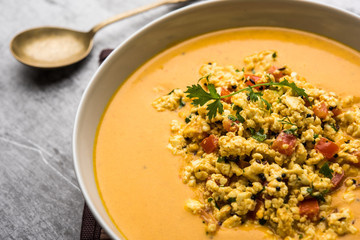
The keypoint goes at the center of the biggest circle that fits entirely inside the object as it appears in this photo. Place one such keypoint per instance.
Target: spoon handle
(131, 13)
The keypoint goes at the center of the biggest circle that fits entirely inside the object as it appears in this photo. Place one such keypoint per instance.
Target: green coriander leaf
(232, 118)
(214, 108)
(326, 171)
(213, 92)
(286, 120)
(255, 96)
(199, 96)
(267, 104)
(171, 91)
(274, 55)
(182, 103)
(204, 77)
(319, 196)
(268, 77)
(238, 110)
(315, 137)
(296, 90)
(258, 136)
(210, 200)
(231, 200)
(237, 70)
(187, 119)
(221, 159)
(292, 131)
(333, 126)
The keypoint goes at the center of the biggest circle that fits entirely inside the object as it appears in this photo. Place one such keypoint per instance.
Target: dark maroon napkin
(90, 229)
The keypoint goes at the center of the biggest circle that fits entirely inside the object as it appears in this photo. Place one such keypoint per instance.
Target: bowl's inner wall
(176, 27)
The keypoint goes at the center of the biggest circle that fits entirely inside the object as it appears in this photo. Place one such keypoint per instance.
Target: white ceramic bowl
(178, 26)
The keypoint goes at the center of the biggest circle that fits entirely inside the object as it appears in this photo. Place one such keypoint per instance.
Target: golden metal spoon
(53, 47)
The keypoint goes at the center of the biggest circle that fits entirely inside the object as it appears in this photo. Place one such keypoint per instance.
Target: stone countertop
(39, 194)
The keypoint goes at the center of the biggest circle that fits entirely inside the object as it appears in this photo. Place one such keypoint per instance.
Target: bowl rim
(103, 67)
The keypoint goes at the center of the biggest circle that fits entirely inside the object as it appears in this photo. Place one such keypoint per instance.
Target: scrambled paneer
(263, 146)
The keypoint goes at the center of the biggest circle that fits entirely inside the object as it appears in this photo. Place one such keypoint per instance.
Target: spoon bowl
(54, 47)
(51, 47)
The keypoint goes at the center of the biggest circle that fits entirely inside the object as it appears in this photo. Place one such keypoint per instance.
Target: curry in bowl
(254, 130)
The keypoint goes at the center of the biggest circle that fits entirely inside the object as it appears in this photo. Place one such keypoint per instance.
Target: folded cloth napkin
(90, 229)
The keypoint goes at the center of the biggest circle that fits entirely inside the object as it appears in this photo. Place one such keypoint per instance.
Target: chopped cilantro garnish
(204, 77)
(291, 131)
(171, 91)
(238, 110)
(333, 126)
(231, 200)
(287, 121)
(255, 96)
(318, 195)
(258, 136)
(200, 97)
(232, 118)
(315, 137)
(274, 55)
(326, 171)
(181, 103)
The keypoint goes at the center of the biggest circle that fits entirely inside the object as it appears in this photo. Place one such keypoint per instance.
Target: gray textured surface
(39, 195)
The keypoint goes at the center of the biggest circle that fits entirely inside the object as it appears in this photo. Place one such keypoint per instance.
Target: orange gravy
(137, 176)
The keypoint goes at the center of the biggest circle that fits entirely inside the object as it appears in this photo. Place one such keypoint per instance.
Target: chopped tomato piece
(209, 144)
(251, 80)
(326, 148)
(336, 111)
(337, 178)
(229, 125)
(225, 92)
(275, 72)
(309, 207)
(285, 143)
(320, 110)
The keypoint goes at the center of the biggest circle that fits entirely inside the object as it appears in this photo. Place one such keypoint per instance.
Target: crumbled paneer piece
(262, 146)
(169, 102)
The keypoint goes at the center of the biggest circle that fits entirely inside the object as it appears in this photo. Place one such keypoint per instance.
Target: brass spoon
(53, 47)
